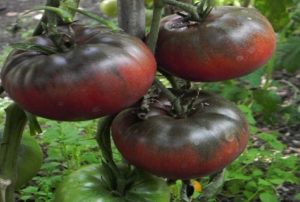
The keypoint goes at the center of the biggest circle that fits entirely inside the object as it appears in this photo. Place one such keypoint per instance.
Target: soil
(11, 32)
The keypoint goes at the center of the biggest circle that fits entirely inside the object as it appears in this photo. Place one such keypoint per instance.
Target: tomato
(229, 43)
(103, 73)
(109, 8)
(210, 136)
(29, 161)
(90, 184)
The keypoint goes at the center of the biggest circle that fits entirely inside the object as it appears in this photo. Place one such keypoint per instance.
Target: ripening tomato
(229, 43)
(109, 8)
(102, 73)
(211, 135)
(29, 160)
(92, 184)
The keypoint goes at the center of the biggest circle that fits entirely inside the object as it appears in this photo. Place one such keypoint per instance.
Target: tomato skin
(94, 79)
(29, 160)
(85, 184)
(229, 43)
(203, 143)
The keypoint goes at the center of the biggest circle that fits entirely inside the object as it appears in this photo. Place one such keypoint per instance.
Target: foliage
(255, 175)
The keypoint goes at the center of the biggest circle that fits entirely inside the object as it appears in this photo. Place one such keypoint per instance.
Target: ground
(10, 32)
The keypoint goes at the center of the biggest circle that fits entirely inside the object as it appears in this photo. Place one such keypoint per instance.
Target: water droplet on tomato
(229, 137)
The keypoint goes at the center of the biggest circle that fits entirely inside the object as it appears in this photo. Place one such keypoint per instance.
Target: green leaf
(248, 112)
(289, 54)
(276, 11)
(268, 197)
(262, 182)
(277, 181)
(269, 100)
(271, 140)
(214, 186)
(254, 79)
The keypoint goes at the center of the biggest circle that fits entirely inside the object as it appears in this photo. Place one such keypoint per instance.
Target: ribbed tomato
(103, 72)
(229, 43)
(211, 135)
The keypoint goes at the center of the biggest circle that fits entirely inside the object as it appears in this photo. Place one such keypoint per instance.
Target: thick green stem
(174, 100)
(14, 126)
(152, 39)
(151, 42)
(131, 17)
(104, 142)
(67, 4)
(40, 27)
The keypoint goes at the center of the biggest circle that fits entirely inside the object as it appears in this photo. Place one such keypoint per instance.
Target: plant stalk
(174, 100)
(104, 142)
(131, 17)
(152, 39)
(40, 27)
(151, 42)
(14, 126)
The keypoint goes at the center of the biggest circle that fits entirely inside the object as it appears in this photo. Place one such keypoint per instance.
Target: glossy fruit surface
(29, 161)
(211, 135)
(102, 73)
(229, 43)
(90, 184)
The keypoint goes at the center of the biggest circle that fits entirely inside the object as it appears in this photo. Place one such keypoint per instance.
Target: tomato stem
(67, 6)
(173, 99)
(14, 126)
(152, 39)
(40, 27)
(104, 142)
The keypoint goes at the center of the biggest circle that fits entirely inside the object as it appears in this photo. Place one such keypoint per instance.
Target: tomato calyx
(203, 10)
(156, 99)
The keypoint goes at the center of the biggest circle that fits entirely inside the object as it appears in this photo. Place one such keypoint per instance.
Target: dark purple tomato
(211, 135)
(102, 73)
(229, 43)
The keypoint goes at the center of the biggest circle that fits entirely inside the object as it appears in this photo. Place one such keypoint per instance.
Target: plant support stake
(131, 17)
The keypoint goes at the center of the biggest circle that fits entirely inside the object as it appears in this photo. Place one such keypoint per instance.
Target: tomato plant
(230, 42)
(91, 183)
(210, 135)
(29, 161)
(102, 73)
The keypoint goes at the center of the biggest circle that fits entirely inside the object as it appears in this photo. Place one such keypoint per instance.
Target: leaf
(248, 112)
(271, 140)
(288, 53)
(214, 186)
(254, 79)
(276, 11)
(269, 100)
(268, 197)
